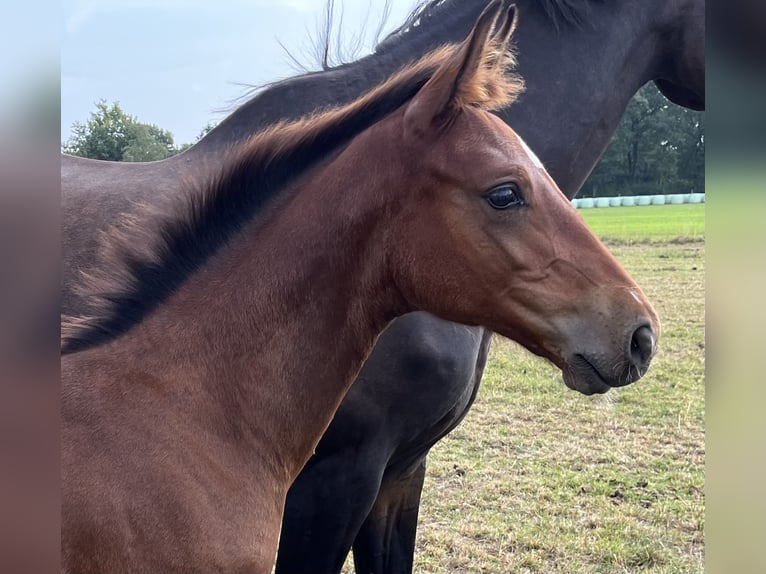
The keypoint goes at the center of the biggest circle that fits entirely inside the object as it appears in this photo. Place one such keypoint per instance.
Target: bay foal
(179, 442)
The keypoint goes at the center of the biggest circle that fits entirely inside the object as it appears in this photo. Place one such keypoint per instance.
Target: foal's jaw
(611, 340)
(608, 343)
(599, 328)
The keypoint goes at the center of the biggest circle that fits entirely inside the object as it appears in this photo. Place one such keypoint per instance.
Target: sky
(181, 64)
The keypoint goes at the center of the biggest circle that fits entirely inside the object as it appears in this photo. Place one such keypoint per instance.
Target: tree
(691, 154)
(111, 134)
(658, 148)
(147, 143)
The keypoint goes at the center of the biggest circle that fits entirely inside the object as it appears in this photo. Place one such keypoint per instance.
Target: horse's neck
(278, 323)
(300, 96)
(579, 81)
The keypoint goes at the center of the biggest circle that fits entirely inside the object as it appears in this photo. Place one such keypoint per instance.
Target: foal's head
(487, 237)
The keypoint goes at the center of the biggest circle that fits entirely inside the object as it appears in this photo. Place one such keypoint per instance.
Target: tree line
(111, 134)
(658, 147)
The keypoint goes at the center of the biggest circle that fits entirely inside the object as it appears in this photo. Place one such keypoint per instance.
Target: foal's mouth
(583, 376)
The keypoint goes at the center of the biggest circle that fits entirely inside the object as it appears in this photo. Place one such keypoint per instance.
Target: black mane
(433, 12)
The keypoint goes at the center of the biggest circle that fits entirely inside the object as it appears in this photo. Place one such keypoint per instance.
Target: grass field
(650, 223)
(540, 479)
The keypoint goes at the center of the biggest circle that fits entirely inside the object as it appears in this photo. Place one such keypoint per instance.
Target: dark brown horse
(217, 357)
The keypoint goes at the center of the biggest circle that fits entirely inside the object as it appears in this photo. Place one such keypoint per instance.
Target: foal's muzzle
(591, 371)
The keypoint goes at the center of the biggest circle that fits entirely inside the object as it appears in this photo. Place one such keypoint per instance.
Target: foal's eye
(504, 196)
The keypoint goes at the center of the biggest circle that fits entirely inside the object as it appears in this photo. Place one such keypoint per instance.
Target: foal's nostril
(642, 347)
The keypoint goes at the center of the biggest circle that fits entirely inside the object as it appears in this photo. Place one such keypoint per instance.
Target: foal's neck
(275, 326)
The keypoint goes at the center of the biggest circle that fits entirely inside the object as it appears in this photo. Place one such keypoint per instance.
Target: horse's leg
(380, 431)
(386, 541)
(325, 507)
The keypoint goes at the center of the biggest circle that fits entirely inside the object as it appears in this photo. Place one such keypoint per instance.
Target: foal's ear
(476, 73)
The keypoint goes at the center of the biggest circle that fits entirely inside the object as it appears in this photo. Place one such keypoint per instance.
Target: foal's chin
(590, 376)
(587, 384)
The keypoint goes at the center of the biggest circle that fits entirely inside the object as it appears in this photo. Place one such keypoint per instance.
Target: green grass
(649, 223)
(541, 479)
